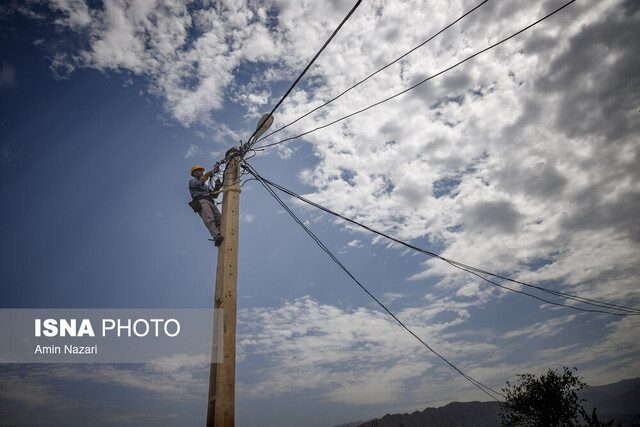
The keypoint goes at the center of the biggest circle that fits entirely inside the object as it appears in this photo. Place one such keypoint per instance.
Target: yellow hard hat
(195, 168)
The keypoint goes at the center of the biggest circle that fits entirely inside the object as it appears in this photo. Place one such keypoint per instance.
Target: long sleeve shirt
(197, 188)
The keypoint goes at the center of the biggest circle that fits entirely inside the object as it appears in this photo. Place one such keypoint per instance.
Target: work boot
(218, 239)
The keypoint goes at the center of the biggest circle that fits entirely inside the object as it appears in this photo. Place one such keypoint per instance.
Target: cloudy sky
(523, 161)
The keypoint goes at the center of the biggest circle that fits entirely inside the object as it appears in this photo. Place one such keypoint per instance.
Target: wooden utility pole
(222, 376)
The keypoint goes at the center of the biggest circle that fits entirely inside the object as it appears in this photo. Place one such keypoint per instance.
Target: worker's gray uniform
(209, 213)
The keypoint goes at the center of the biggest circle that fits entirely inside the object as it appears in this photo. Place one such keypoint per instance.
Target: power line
(622, 310)
(456, 264)
(468, 268)
(375, 72)
(417, 84)
(485, 389)
(249, 144)
(628, 311)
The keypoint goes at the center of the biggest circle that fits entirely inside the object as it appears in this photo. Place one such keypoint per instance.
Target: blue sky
(523, 161)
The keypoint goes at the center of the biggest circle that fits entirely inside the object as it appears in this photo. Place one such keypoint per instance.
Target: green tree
(548, 401)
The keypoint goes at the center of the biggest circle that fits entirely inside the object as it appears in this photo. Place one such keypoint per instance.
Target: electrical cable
(374, 73)
(460, 265)
(249, 143)
(419, 83)
(485, 389)
(626, 311)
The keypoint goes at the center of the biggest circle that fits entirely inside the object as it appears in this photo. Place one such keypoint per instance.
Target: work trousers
(210, 216)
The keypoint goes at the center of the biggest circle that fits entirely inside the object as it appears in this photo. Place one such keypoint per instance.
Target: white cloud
(179, 377)
(523, 171)
(63, 65)
(30, 392)
(192, 151)
(57, 393)
(540, 329)
(75, 13)
(612, 356)
(186, 51)
(39, 394)
(390, 297)
(170, 380)
(348, 355)
(355, 243)
(468, 290)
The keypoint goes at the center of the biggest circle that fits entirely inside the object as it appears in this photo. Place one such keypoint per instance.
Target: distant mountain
(354, 424)
(467, 414)
(619, 401)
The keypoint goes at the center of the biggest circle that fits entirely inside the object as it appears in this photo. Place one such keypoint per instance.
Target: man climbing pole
(203, 201)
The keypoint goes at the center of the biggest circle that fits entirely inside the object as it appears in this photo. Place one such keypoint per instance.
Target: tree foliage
(548, 401)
